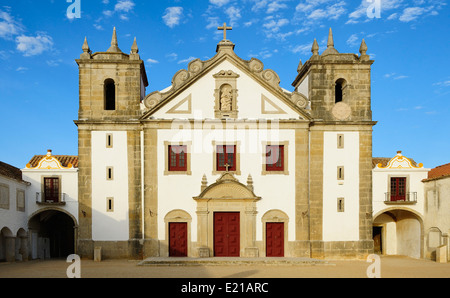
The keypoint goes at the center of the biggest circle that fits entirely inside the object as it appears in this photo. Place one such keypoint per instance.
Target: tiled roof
(439, 172)
(10, 171)
(65, 160)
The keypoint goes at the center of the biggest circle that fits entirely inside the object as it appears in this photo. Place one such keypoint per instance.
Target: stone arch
(7, 244)
(340, 90)
(109, 90)
(402, 231)
(53, 233)
(21, 249)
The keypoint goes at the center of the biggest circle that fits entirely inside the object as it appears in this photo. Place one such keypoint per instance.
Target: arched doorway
(398, 232)
(52, 234)
(6, 245)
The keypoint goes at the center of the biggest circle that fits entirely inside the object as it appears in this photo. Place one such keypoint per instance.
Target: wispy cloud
(172, 16)
(186, 60)
(34, 45)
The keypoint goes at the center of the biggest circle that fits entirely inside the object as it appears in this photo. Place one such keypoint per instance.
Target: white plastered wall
(110, 226)
(177, 191)
(341, 226)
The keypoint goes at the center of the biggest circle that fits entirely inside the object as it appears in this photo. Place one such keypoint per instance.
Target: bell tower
(111, 87)
(339, 84)
(112, 83)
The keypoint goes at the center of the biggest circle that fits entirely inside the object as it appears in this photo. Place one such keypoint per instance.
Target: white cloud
(8, 26)
(219, 3)
(234, 14)
(274, 26)
(124, 6)
(411, 13)
(353, 40)
(303, 49)
(173, 16)
(151, 61)
(34, 45)
(186, 60)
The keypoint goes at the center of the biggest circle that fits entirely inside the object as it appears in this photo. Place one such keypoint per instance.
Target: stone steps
(154, 261)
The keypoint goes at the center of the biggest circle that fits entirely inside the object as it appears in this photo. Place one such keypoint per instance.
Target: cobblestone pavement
(391, 267)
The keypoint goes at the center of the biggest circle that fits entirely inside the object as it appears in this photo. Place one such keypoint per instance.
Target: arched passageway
(398, 232)
(52, 234)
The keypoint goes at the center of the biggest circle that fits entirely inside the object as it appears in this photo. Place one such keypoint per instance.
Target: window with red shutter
(275, 158)
(177, 158)
(226, 157)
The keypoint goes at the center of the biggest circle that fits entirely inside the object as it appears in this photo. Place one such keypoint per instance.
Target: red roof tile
(439, 172)
(10, 171)
(65, 160)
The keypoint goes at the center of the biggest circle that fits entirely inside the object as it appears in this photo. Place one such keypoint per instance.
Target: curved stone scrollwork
(195, 66)
(180, 77)
(299, 100)
(256, 65)
(152, 100)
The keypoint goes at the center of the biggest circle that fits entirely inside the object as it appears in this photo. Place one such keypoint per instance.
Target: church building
(225, 162)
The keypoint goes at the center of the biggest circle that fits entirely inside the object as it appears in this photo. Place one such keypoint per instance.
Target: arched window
(110, 95)
(339, 92)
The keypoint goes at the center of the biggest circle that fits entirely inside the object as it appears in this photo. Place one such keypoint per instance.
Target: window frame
(236, 170)
(186, 170)
(44, 189)
(285, 162)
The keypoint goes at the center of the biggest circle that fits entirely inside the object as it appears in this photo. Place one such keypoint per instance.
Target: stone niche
(226, 94)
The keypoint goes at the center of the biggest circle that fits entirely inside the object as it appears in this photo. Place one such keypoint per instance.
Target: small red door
(178, 239)
(227, 234)
(275, 239)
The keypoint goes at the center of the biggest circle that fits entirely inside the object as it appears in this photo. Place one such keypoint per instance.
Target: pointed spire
(134, 47)
(250, 182)
(315, 48)
(114, 44)
(300, 65)
(330, 44)
(85, 47)
(86, 50)
(363, 48)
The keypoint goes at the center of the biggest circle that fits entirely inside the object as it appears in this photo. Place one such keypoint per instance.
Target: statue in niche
(226, 99)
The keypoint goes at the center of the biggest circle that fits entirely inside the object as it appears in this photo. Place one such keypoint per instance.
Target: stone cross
(225, 28)
(227, 166)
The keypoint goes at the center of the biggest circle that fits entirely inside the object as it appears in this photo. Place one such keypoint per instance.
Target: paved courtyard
(391, 267)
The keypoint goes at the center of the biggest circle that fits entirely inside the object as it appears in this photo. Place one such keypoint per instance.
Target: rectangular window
(340, 173)
(226, 158)
(4, 196)
(20, 204)
(177, 158)
(109, 173)
(340, 205)
(110, 204)
(340, 141)
(51, 190)
(275, 158)
(109, 140)
(398, 188)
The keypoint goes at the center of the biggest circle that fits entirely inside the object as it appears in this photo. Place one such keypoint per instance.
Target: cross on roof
(225, 28)
(227, 166)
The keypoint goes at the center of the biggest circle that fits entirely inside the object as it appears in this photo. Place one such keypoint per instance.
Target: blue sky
(407, 39)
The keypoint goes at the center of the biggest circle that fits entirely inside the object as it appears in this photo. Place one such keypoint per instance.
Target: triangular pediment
(255, 86)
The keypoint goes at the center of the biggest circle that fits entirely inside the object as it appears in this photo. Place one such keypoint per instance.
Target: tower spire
(134, 47)
(114, 44)
(330, 44)
(315, 48)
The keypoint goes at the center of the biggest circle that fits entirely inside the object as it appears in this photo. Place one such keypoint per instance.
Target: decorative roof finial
(85, 47)
(315, 48)
(134, 47)
(330, 45)
(363, 48)
(86, 50)
(300, 65)
(114, 44)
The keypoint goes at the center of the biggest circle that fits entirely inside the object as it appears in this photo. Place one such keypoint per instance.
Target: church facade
(225, 162)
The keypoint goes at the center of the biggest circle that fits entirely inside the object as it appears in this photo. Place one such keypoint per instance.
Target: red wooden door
(178, 239)
(398, 188)
(275, 239)
(227, 234)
